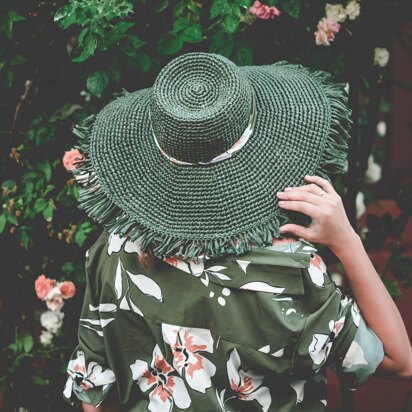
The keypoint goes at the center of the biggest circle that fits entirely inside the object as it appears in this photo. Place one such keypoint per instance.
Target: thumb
(296, 230)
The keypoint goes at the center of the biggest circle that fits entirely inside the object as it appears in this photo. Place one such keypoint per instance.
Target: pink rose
(262, 11)
(54, 299)
(43, 286)
(326, 30)
(70, 158)
(67, 289)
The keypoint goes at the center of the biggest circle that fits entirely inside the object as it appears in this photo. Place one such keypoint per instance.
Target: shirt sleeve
(90, 378)
(362, 358)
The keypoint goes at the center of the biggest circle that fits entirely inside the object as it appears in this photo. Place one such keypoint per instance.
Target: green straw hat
(191, 166)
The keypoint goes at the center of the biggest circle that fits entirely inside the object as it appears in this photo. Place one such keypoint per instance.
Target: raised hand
(319, 200)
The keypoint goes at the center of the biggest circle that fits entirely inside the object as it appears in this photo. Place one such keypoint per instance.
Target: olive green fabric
(199, 107)
(252, 332)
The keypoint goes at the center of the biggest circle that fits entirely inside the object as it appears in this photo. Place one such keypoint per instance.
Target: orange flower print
(168, 388)
(187, 345)
(317, 270)
(247, 385)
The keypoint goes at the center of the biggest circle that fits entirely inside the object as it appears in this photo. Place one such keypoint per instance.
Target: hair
(147, 259)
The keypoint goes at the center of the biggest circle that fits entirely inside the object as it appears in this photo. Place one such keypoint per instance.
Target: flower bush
(61, 61)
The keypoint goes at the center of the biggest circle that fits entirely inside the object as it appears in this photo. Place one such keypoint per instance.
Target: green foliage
(60, 62)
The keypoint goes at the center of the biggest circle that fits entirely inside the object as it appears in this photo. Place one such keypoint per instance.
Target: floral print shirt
(252, 332)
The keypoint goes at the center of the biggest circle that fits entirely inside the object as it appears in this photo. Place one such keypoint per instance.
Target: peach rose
(262, 11)
(70, 158)
(326, 30)
(43, 286)
(67, 289)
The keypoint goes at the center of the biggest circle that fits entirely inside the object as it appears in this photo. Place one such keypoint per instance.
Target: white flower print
(298, 386)
(317, 269)
(187, 345)
(196, 267)
(115, 244)
(87, 376)
(168, 389)
(321, 344)
(247, 385)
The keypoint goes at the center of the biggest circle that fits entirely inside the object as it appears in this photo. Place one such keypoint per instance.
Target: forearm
(377, 308)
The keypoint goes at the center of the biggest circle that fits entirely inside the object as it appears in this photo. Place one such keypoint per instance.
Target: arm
(333, 229)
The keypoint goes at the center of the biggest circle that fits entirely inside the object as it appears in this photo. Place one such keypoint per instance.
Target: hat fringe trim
(334, 154)
(99, 207)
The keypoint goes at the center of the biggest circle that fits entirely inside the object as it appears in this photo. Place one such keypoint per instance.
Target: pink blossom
(70, 158)
(43, 286)
(326, 30)
(262, 11)
(54, 299)
(67, 289)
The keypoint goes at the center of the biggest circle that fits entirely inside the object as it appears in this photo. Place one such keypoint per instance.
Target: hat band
(228, 153)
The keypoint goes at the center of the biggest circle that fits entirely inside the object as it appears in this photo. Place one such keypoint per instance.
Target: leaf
(262, 287)
(169, 44)
(135, 308)
(89, 46)
(27, 343)
(231, 23)
(49, 211)
(193, 34)
(97, 82)
(144, 62)
(244, 56)
(39, 381)
(161, 6)
(216, 268)
(218, 8)
(291, 7)
(118, 280)
(220, 275)
(180, 24)
(2, 223)
(40, 204)
(46, 169)
(103, 307)
(146, 285)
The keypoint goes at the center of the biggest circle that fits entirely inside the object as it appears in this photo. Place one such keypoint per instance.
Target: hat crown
(200, 106)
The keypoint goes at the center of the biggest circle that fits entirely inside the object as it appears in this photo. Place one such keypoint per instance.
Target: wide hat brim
(129, 186)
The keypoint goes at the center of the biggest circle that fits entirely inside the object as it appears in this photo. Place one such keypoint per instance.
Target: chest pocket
(260, 270)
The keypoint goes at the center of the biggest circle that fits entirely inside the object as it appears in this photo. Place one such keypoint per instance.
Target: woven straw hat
(192, 165)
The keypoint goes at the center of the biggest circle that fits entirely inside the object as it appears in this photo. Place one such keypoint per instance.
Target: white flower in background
(360, 204)
(54, 299)
(381, 128)
(52, 320)
(46, 338)
(336, 12)
(381, 56)
(87, 96)
(373, 172)
(352, 9)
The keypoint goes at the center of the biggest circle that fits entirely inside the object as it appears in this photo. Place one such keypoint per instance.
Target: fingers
(296, 230)
(311, 188)
(323, 183)
(301, 206)
(303, 193)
